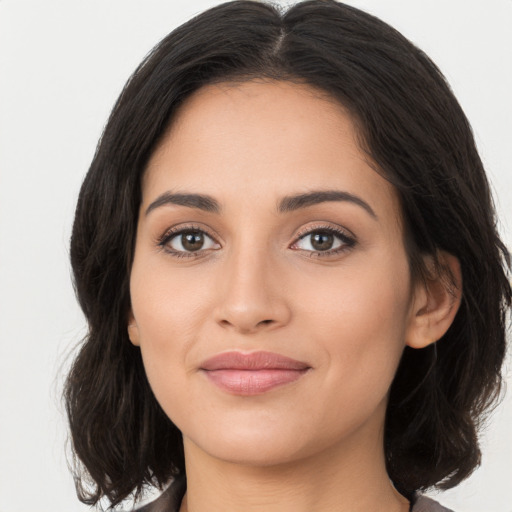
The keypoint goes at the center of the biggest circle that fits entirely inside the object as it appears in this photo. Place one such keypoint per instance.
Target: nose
(251, 295)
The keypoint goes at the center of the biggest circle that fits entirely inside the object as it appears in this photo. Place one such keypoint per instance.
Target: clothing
(424, 504)
(170, 500)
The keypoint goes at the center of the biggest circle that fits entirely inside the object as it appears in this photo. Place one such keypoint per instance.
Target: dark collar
(169, 500)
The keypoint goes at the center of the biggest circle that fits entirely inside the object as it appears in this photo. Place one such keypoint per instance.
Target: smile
(252, 374)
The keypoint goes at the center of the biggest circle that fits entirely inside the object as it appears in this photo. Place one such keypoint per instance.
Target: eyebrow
(292, 203)
(199, 201)
(287, 204)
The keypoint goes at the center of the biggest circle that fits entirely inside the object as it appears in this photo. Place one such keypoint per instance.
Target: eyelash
(164, 240)
(348, 240)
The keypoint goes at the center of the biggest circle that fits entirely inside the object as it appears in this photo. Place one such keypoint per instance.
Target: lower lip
(252, 382)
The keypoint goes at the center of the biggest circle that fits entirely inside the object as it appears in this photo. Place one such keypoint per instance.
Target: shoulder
(424, 504)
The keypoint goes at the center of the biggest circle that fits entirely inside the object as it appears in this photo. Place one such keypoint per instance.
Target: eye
(324, 241)
(186, 242)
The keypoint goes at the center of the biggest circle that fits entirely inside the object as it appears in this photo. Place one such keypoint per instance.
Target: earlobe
(133, 330)
(436, 301)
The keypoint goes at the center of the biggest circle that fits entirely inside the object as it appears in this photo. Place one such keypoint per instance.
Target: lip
(254, 373)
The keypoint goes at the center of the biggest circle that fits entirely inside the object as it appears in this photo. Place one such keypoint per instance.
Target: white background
(62, 65)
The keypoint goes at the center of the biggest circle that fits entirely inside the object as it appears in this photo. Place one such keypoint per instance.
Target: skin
(258, 284)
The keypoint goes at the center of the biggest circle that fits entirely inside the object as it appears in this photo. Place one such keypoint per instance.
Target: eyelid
(324, 226)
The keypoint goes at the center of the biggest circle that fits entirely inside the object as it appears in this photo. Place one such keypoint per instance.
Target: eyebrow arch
(292, 203)
(200, 201)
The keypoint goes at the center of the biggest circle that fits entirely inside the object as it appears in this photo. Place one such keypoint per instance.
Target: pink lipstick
(253, 373)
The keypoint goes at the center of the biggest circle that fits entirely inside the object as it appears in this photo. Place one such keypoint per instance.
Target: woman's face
(271, 292)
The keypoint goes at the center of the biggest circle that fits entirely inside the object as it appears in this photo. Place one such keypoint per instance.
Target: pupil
(322, 241)
(192, 241)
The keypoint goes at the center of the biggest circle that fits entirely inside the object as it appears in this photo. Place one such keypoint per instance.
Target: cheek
(167, 313)
(166, 305)
(359, 320)
(372, 287)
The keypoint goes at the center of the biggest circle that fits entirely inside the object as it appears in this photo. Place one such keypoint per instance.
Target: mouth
(254, 373)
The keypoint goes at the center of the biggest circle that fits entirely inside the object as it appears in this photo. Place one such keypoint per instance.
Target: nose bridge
(252, 297)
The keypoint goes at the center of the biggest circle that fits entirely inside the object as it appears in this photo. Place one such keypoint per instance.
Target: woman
(285, 248)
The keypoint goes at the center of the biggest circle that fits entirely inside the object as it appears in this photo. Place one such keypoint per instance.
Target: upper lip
(236, 360)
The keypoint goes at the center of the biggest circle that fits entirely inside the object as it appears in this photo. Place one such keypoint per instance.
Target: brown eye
(192, 241)
(326, 241)
(322, 241)
(189, 241)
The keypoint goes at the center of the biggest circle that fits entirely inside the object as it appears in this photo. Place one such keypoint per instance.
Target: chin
(263, 443)
(255, 452)
(248, 442)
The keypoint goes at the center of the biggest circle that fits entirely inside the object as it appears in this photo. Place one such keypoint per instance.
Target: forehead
(259, 140)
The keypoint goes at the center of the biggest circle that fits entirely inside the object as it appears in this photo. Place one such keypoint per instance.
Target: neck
(349, 477)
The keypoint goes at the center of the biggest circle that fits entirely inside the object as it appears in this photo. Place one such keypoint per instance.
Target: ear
(133, 330)
(436, 301)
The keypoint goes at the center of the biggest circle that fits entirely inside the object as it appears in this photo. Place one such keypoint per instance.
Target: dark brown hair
(418, 138)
